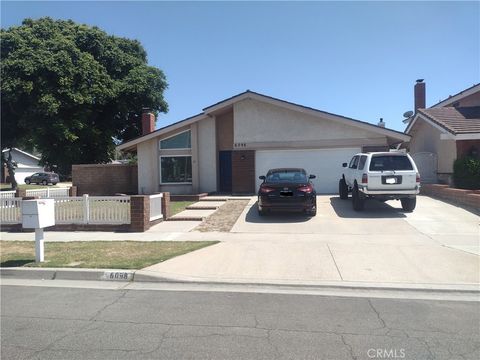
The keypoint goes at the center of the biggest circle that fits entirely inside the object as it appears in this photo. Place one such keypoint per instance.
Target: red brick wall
(243, 171)
(469, 198)
(105, 179)
(464, 147)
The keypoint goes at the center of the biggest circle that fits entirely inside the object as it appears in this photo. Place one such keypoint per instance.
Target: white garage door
(326, 164)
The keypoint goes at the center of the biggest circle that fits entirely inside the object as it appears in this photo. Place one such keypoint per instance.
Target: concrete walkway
(436, 244)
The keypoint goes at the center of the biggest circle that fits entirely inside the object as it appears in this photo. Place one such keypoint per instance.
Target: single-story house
(444, 132)
(229, 144)
(27, 164)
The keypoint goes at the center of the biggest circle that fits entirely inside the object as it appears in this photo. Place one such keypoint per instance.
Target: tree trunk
(11, 170)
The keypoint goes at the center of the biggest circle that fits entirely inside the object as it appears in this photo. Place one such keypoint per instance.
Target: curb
(145, 276)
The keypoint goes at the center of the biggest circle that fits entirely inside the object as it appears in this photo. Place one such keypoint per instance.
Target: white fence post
(86, 209)
(48, 192)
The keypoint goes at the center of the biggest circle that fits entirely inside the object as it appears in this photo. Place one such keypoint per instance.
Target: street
(66, 322)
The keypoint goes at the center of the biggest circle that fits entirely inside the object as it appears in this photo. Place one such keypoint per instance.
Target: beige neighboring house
(443, 132)
(27, 164)
(227, 146)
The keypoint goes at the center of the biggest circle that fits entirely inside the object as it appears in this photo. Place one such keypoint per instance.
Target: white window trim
(160, 170)
(171, 136)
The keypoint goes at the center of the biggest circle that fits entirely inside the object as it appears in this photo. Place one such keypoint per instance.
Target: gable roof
(248, 94)
(464, 120)
(458, 96)
(22, 152)
(454, 123)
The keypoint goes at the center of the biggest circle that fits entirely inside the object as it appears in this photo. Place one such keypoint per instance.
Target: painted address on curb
(118, 275)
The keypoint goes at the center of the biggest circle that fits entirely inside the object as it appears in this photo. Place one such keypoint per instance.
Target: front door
(225, 171)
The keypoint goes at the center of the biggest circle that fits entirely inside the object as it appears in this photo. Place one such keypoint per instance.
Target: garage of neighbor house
(230, 144)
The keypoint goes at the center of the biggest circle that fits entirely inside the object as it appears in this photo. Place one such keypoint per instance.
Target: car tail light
(306, 188)
(417, 178)
(266, 189)
(364, 179)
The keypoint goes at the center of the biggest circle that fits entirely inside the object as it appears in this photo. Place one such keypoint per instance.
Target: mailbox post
(37, 214)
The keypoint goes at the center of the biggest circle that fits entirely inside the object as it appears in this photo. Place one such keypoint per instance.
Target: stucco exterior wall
(207, 156)
(258, 122)
(426, 138)
(148, 173)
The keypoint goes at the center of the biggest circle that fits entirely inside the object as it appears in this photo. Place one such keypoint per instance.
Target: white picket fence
(40, 193)
(76, 210)
(7, 194)
(156, 207)
(10, 211)
(48, 192)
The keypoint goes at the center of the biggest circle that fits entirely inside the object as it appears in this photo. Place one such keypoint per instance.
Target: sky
(356, 59)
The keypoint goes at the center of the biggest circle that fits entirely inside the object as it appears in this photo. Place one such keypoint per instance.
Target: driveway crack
(338, 270)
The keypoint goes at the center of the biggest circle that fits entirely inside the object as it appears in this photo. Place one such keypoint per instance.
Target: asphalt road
(81, 323)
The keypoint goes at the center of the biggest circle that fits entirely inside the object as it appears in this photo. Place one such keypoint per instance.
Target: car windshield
(286, 176)
(390, 162)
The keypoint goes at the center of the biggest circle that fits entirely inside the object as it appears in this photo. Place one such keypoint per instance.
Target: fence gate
(427, 166)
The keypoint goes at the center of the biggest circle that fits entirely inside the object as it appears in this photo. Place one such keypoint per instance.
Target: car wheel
(408, 204)
(358, 201)
(44, 182)
(54, 183)
(343, 189)
(27, 182)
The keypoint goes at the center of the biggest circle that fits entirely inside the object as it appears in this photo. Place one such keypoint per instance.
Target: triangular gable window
(182, 140)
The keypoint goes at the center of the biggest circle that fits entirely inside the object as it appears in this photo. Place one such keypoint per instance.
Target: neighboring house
(444, 132)
(28, 164)
(227, 146)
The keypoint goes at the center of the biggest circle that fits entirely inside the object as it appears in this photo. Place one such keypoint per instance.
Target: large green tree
(71, 90)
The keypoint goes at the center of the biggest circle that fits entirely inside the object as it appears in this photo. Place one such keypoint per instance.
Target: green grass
(6, 187)
(96, 254)
(179, 206)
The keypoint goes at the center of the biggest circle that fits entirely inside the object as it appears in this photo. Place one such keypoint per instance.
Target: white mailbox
(37, 214)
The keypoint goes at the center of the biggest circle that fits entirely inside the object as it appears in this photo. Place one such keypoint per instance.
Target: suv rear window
(390, 162)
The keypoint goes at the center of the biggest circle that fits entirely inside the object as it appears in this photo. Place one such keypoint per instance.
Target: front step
(193, 207)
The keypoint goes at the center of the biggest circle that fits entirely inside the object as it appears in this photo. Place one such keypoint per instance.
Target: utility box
(37, 214)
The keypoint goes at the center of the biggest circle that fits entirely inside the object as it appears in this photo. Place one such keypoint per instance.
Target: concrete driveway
(436, 244)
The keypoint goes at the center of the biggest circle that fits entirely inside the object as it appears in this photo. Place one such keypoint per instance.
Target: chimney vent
(148, 121)
(419, 95)
(381, 123)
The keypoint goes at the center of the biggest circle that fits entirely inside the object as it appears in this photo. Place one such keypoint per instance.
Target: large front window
(176, 169)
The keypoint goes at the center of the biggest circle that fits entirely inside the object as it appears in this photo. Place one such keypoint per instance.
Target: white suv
(383, 176)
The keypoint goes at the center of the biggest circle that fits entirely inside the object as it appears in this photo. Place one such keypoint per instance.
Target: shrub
(466, 173)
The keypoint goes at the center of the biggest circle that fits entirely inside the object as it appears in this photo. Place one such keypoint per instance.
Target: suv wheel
(358, 201)
(343, 189)
(27, 182)
(44, 182)
(408, 204)
(54, 183)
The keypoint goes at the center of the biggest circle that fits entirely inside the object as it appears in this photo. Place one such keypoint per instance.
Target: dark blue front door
(225, 173)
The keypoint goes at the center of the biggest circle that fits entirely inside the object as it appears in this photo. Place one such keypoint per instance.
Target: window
(176, 169)
(390, 162)
(180, 141)
(361, 163)
(286, 176)
(353, 163)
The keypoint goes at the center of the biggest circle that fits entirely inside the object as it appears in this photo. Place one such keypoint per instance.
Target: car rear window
(390, 162)
(287, 176)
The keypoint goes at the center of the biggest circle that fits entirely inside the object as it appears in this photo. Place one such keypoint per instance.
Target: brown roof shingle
(463, 120)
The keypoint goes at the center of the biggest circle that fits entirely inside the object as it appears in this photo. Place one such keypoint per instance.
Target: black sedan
(287, 189)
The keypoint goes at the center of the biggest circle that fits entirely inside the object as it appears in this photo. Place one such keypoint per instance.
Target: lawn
(96, 254)
(179, 206)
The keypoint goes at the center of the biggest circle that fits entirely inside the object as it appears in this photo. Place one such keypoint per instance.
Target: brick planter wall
(195, 197)
(468, 198)
(105, 179)
(139, 213)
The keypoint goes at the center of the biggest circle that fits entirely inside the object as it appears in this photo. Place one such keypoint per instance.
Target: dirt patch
(224, 218)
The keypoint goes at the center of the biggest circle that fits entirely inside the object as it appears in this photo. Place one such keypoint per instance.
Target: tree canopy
(70, 90)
